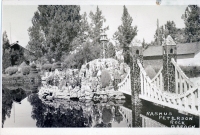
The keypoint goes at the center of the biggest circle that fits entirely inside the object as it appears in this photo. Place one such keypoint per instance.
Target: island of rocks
(94, 81)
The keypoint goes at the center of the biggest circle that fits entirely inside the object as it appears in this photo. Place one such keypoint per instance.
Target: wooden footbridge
(170, 87)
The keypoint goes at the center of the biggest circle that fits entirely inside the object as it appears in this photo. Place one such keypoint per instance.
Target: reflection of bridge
(127, 115)
(146, 121)
(170, 87)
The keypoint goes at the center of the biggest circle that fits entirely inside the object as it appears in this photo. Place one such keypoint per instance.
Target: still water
(24, 108)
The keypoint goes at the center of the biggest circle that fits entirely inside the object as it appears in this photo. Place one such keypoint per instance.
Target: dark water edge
(30, 111)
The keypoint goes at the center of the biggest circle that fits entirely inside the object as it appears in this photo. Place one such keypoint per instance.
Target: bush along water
(11, 70)
(21, 75)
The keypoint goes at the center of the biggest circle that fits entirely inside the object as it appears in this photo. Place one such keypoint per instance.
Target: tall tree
(6, 62)
(160, 32)
(83, 34)
(126, 32)
(97, 20)
(163, 31)
(170, 29)
(37, 43)
(192, 27)
(58, 24)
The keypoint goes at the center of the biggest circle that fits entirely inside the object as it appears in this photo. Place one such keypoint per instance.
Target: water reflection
(9, 95)
(63, 113)
(71, 113)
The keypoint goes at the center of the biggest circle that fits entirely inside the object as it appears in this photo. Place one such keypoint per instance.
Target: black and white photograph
(100, 66)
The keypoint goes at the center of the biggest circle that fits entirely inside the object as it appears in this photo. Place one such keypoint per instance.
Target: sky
(16, 19)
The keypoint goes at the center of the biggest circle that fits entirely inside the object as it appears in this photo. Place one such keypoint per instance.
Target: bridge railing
(125, 85)
(146, 83)
(186, 102)
(182, 81)
(158, 79)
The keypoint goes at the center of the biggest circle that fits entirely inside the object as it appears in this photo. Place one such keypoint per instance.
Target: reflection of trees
(8, 96)
(49, 116)
(6, 104)
(38, 109)
(118, 115)
(104, 115)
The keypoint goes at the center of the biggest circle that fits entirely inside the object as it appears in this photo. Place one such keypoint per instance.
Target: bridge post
(137, 54)
(169, 52)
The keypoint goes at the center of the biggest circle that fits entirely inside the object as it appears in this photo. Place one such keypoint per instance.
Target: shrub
(105, 78)
(33, 65)
(25, 70)
(11, 70)
(47, 67)
(150, 71)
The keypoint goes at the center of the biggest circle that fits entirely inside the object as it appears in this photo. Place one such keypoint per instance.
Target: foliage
(83, 34)
(6, 104)
(192, 21)
(126, 32)
(17, 55)
(150, 71)
(11, 70)
(56, 25)
(97, 20)
(6, 61)
(37, 41)
(25, 70)
(105, 78)
(6, 44)
(163, 31)
(88, 53)
(50, 116)
(110, 50)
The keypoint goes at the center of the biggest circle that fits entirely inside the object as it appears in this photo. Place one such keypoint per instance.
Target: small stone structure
(137, 54)
(169, 52)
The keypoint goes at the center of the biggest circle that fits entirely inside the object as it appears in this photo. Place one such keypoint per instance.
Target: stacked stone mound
(85, 84)
(90, 75)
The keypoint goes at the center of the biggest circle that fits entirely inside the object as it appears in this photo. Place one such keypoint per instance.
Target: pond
(24, 108)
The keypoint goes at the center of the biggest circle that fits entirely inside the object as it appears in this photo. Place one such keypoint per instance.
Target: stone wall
(169, 73)
(136, 90)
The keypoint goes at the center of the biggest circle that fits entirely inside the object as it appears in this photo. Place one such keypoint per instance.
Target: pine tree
(192, 25)
(83, 34)
(56, 25)
(6, 62)
(125, 34)
(97, 20)
(163, 31)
